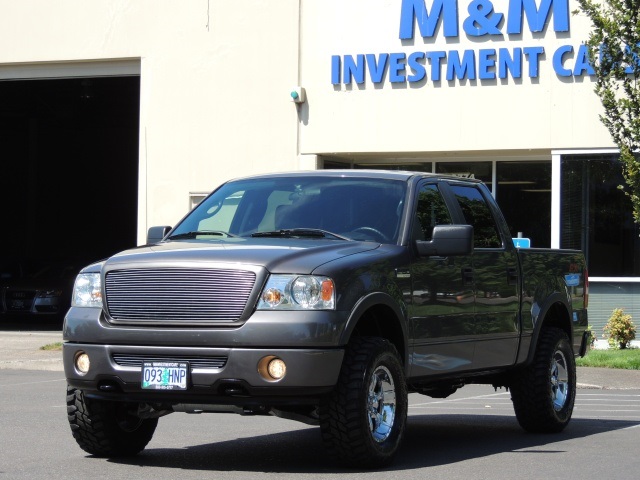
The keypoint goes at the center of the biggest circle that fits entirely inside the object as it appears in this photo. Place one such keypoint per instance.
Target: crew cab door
(441, 309)
(494, 276)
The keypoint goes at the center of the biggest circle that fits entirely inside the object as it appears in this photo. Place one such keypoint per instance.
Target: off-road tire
(543, 393)
(363, 420)
(107, 429)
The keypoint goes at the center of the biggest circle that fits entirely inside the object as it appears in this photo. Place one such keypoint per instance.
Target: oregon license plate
(165, 375)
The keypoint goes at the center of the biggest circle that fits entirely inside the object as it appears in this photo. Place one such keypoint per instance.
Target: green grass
(628, 359)
(52, 346)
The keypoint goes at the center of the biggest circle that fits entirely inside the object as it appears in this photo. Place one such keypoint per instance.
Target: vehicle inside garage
(69, 178)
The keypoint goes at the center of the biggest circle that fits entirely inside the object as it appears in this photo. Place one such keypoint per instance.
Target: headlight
(87, 291)
(298, 292)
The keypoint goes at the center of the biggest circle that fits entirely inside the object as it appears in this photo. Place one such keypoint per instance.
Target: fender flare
(371, 300)
(542, 319)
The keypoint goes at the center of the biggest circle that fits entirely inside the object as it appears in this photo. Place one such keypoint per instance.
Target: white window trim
(614, 279)
(556, 176)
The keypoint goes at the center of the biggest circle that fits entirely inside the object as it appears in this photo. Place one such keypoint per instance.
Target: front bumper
(217, 375)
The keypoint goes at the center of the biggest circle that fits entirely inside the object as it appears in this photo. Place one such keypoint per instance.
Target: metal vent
(177, 296)
(195, 361)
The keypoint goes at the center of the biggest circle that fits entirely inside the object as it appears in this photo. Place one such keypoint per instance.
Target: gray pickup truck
(325, 297)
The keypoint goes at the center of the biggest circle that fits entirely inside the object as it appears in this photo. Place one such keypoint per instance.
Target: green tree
(614, 47)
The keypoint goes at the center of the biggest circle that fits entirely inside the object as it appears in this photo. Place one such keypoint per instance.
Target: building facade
(500, 90)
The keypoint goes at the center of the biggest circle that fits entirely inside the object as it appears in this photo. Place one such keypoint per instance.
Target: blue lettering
(416, 10)
(512, 64)
(487, 64)
(396, 67)
(461, 69)
(335, 69)
(353, 69)
(419, 72)
(582, 62)
(436, 64)
(537, 19)
(482, 20)
(376, 69)
(533, 57)
(558, 60)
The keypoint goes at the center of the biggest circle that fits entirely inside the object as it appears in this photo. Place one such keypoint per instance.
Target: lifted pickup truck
(325, 297)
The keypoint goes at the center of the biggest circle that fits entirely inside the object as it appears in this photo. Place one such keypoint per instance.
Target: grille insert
(195, 361)
(178, 296)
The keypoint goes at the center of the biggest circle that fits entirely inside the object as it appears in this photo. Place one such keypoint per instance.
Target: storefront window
(524, 196)
(596, 216)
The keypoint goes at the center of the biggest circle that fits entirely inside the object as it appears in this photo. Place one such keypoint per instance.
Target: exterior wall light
(298, 95)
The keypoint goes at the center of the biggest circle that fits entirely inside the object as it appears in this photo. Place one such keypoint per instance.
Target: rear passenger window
(431, 211)
(478, 214)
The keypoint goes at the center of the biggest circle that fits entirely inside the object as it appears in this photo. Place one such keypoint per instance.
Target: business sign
(498, 32)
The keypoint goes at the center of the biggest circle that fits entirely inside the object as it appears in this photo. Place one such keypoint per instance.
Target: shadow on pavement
(431, 440)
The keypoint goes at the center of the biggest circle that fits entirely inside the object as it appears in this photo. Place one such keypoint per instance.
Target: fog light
(272, 368)
(82, 363)
(277, 369)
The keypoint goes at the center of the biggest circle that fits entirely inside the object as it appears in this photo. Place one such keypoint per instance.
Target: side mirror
(447, 240)
(156, 234)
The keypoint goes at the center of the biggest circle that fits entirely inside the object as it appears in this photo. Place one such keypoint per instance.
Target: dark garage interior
(69, 178)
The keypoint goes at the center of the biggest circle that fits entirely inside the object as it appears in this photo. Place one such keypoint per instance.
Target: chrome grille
(195, 361)
(178, 296)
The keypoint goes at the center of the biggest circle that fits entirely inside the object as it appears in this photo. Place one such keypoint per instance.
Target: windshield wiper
(300, 232)
(194, 234)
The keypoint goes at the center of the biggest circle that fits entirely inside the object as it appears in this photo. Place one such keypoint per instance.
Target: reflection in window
(477, 213)
(220, 215)
(431, 211)
(596, 215)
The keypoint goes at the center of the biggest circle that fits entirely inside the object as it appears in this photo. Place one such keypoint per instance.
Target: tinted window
(431, 211)
(477, 213)
(523, 188)
(358, 208)
(597, 216)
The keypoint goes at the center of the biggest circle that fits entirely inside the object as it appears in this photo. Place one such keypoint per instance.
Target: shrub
(619, 330)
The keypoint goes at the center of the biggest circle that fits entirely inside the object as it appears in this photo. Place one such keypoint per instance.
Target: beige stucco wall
(216, 77)
(215, 82)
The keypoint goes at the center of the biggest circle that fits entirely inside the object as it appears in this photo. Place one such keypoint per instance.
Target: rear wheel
(544, 394)
(363, 420)
(107, 429)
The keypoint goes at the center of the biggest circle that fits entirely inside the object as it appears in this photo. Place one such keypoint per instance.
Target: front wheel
(107, 429)
(544, 394)
(363, 420)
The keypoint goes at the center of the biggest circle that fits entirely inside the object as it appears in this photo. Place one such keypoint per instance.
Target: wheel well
(558, 316)
(381, 321)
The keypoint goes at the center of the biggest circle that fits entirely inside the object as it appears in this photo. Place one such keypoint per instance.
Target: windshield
(354, 208)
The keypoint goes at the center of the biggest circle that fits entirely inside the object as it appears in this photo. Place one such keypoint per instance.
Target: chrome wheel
(381, 404)
(363, 419)
(544, 391)
(559, 381)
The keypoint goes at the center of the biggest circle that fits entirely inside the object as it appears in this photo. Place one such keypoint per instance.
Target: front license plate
(165, 375)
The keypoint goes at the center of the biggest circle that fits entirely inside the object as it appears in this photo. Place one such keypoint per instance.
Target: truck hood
(277, 255)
